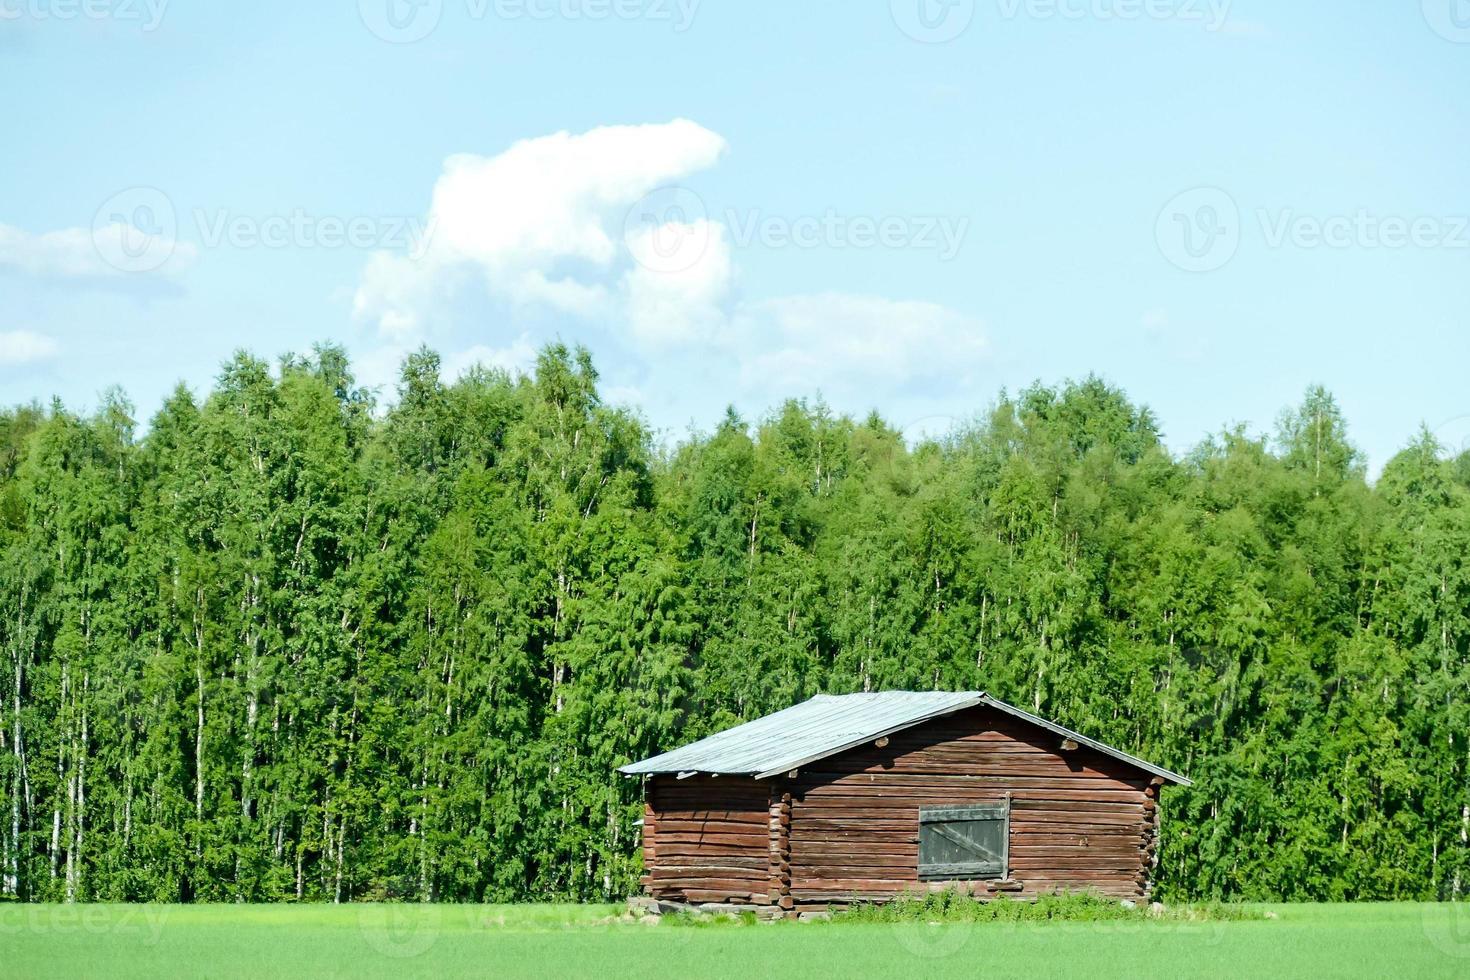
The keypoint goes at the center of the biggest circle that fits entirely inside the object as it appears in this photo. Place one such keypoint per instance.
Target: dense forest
(298, 641)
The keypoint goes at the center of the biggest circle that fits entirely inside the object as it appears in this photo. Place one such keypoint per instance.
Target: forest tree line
(286, 643)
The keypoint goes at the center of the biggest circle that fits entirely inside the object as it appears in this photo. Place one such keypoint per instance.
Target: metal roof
(829, 724)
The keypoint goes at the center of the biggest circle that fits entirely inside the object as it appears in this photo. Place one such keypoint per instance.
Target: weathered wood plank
(857, 796)
(829, 783)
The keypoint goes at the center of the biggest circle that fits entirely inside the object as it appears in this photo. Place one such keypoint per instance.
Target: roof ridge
(827, 724)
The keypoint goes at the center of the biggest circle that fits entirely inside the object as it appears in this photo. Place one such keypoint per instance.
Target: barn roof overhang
(830, 724)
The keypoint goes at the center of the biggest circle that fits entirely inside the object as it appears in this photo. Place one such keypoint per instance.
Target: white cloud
(19, 347)
(68, 253)
(541, 223)
(81, 253)
(678, 289)
(518, 358)
(379, 367)
(860, 343)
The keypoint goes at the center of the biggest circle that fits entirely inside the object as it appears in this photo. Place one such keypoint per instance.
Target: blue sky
(1213, 203)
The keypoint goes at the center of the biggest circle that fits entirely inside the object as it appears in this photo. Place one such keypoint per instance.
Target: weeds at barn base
(1075, 907)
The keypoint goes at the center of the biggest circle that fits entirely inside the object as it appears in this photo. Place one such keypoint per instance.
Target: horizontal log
(901, 865)
(799, 886)
(839, 822)
(721, 896)
(1020, 842)
(984, 748)
(739, 869)
(857, 865)
(814, 848)
(712, 816)
(1054, 791)
(889, 832)
(977, 788)
(1129, 865)
(712, 826)
(758, 844)
(739, 882)
(949, 782)
(838, 872)
(1087, 826)
(707, 799)
(1029, 802)
(713, 789)
(699, 806)
(684, 851)
(684, 867)
(1122, 849)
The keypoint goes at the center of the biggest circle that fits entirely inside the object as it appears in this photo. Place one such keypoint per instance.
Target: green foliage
(286, 646)
(703, 920)
(953, 906)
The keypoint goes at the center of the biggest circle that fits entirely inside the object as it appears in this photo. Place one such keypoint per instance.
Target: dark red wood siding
(1079, 819)
(847, 827)
(707, 839)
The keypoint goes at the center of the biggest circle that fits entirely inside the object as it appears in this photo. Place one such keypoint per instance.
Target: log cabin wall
(1080, 819)
(709, 839)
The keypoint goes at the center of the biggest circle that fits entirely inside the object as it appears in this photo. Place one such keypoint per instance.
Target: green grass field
(558, 941)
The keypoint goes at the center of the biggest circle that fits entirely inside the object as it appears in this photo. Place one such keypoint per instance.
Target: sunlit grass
(597, 941)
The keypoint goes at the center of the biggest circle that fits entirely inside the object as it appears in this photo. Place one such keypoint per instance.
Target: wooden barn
(867, 796)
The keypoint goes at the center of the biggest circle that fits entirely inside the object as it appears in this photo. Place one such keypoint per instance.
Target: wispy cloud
(86, 255)
(23, 347)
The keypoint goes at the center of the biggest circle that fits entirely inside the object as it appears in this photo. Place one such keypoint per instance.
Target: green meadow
(1401, 940)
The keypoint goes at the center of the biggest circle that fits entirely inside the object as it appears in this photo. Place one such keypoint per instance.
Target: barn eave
(827, 725)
